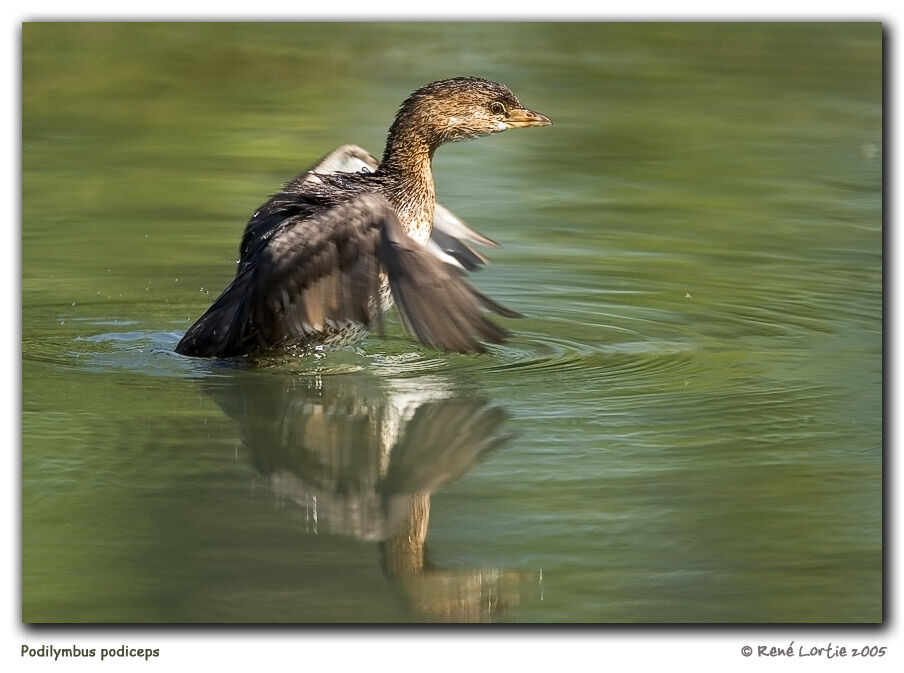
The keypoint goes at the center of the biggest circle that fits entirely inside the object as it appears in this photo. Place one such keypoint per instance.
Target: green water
(685, 427)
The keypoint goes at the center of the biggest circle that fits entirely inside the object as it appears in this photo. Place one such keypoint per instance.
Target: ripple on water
(530, 357)
(541, 356)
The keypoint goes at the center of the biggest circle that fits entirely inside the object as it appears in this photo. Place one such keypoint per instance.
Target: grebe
(321, 260)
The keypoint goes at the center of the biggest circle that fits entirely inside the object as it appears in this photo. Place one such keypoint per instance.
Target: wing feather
(322, 272)
(436, 302)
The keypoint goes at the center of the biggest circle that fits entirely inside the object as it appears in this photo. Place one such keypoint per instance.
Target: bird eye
(497, 108)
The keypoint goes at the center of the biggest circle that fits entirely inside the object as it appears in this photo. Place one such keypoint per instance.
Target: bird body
(322, 259)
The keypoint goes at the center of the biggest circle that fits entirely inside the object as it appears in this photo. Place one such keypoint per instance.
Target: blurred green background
(692, 406)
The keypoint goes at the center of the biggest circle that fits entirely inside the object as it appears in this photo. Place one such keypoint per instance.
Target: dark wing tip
(220, 332)
(436, 302)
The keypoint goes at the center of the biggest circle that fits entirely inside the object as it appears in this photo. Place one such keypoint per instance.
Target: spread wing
(450, 237)
(345, 159)
(312, 275)
(437, 304)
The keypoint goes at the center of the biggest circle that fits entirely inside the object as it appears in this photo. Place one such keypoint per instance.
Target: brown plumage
(322, 259)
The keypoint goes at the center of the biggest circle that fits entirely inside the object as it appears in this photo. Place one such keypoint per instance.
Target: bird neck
(407, 168)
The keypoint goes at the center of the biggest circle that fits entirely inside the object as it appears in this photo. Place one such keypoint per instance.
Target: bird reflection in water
(362, 455)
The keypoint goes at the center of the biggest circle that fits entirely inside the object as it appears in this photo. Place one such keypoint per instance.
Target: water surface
(685, 427)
